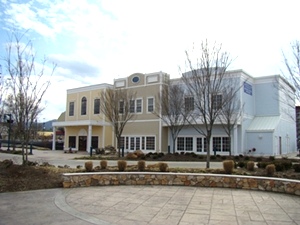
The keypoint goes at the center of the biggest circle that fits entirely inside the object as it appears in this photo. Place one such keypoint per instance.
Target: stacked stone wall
(72, 180)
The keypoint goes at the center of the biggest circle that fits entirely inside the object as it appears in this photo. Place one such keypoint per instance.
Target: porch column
(54, 138)
(235, 140)
(89, 139)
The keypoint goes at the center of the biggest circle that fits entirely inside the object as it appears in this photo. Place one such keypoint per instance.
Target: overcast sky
(95, 41)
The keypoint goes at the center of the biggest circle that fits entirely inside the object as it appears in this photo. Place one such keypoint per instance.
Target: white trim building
(267, 123)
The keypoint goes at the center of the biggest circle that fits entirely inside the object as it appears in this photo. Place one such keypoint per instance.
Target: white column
(89, 139)
(54, 138)
(235, 141)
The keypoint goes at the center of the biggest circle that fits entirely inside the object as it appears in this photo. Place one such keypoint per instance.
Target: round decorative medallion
(135, 79)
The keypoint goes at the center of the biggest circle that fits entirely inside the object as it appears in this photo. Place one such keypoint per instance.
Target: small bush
(236, 157)
(103, 164)
(296, 167)
(270, 169)
(262, 165)
(131, 155)
(250, 165)
(141, 165)
(241, 156)
(182, 153)
(176, 153)
(143, 157)
(163, 167)
(282, 165)
(155, 157)
(88, 166)
(223, 157)
(161, 154)
(218, 156)
(241, 164)
(258, 159)
(139, 153)
(212, 157)
(200, 157)
(271, 158)
(228, 166)
(247, 158)
(122, 164)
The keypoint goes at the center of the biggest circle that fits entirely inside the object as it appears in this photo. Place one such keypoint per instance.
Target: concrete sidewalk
(148, 205)
(59, 158)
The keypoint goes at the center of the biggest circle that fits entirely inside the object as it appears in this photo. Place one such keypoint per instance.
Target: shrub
(223, 157)
(241, 156)
(181, 153)
(163, 167)
(250, 165)
(282, 165)
(161, 154)
(270, 169)
(271, 158)
(88, 166)
(218, 156)
(176, 153)
(200, 157)
(247, 158)
(241, 164)
(131, 155)
(212, 157)
(103, 164)
(296, 167)
(228, 166)
(155, 157)
(141, 165)
(262, 165)
(139, 153)
(122, 164)
(236, 157)
(258, 159)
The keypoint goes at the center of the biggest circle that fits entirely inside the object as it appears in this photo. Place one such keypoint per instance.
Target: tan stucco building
(85, 126)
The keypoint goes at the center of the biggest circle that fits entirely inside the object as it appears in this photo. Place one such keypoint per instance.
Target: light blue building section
(267, 125)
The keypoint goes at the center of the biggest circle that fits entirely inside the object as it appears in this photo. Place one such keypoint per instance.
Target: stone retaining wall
(71, 180)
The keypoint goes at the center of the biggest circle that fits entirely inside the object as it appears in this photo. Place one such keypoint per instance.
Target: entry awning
(264, 124)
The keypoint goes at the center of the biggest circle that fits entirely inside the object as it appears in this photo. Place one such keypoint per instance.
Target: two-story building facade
(267, 122)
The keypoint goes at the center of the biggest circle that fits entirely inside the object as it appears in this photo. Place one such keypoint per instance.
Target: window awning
(263, 124)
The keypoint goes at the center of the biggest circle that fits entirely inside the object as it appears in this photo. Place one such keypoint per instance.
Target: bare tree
(292, 63)
(27, 86)
(115, 105)
(205, 82)
(170, 108)
(231, 112)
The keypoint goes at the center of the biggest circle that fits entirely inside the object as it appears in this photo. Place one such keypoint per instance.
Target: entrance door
(82, 143)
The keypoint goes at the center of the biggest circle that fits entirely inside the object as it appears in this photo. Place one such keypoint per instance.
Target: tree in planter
(170, 108)
(205, 83)
(115, 105)
(26, 88)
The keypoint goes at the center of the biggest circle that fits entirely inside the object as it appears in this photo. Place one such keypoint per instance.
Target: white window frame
(136, 105)
(153, 105)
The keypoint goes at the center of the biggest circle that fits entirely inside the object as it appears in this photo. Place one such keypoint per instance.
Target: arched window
(83, 106)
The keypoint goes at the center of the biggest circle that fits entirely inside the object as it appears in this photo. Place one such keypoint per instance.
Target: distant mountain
(46, 125)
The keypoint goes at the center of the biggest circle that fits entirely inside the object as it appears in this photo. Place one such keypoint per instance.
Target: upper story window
(189, 103)
(83, 106)
(217, 101)
(97, 106)
(71, 109)
(121, 107)
(135, 79)
(138, 105)
(132, 106)
(150, 104)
